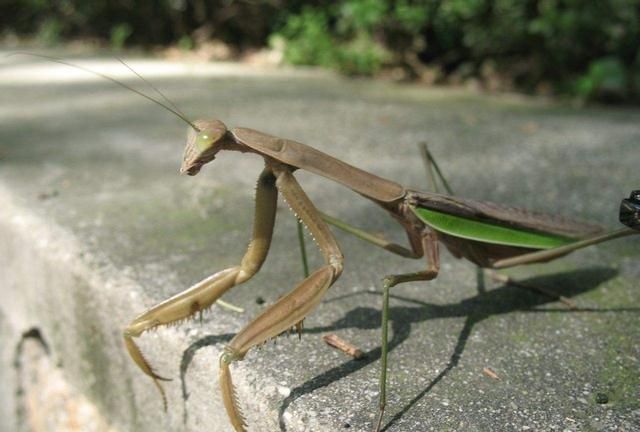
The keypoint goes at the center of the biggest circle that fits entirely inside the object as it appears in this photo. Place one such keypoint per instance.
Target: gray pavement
(96, 225)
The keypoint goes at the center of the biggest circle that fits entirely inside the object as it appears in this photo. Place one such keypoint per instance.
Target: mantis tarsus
(489, 235)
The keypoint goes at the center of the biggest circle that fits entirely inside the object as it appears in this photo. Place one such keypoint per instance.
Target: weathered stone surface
(96, 225)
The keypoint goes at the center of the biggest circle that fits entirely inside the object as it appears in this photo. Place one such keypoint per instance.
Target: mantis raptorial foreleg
(203, 294)
(303, 249)
(291, 309)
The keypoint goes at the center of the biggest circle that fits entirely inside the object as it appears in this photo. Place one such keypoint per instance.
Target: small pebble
(602, 398)
(284, 391)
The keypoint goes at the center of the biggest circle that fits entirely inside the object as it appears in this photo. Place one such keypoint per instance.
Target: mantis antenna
(176, 112)
(166, 99)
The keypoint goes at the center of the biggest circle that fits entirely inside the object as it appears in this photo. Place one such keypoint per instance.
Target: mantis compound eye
(205, 139)
(630, 210)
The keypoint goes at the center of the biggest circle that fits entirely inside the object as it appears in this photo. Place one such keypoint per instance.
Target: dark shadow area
(502, 300)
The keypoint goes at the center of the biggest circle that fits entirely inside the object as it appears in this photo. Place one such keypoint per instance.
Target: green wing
(458, 226)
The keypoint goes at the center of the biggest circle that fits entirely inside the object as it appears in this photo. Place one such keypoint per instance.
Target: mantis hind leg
(432, 168)
(206, 292)
(430, 247)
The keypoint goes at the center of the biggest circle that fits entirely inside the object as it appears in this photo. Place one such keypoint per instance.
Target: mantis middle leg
(204, 293)
(291, 309)
(430, 248)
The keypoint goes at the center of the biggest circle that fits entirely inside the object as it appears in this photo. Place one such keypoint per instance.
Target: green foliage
(348, 46)
(410, 17)
(589, 49)
(605, 78)
(361, 56)
(50, 32)
(186, 43)
(119, 35)
(308, 40)
(361, 14)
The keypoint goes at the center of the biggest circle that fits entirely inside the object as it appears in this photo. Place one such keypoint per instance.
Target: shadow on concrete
(485, 304)
(187, 357)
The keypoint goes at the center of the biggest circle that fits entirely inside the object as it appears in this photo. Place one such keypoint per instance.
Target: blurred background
(582, 49)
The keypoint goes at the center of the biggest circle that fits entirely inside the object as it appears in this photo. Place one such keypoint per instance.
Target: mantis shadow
(502, 300)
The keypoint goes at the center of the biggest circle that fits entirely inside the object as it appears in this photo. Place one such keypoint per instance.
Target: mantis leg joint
(228, 356)
(336, 261)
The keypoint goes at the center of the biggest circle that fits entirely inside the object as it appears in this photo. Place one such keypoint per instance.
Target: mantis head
(202, 145)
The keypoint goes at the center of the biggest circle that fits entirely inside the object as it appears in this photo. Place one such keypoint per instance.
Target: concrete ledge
(96, 226)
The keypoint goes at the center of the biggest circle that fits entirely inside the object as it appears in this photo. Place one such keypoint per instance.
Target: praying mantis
(489, 235)
(486, 234)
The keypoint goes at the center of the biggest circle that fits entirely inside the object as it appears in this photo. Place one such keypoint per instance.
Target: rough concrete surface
(96, 225)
